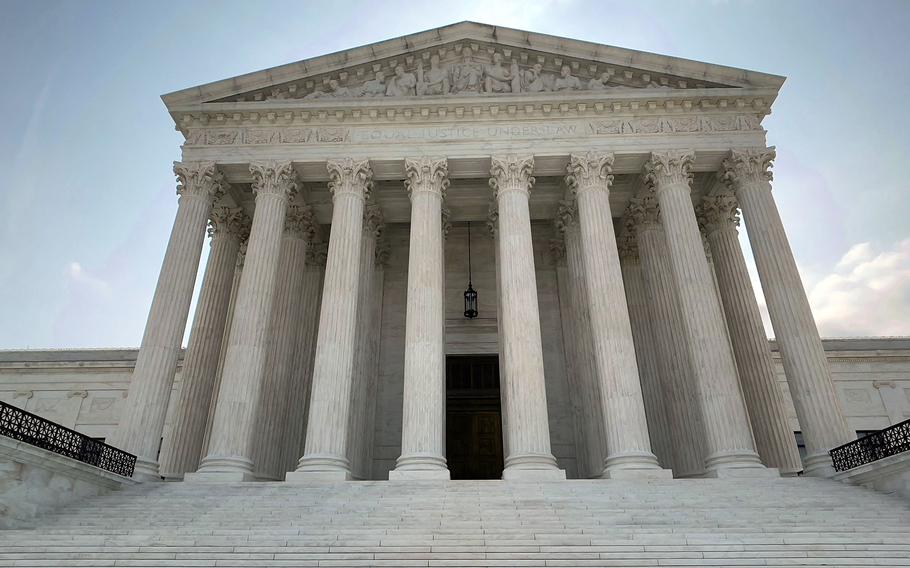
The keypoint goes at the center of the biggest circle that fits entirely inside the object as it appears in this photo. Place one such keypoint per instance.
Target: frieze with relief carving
(380, 134)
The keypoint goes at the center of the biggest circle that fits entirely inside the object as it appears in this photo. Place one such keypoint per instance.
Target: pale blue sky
(87, 194)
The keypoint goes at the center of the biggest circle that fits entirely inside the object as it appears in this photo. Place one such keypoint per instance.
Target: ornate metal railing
(20, 425)
(888, 442)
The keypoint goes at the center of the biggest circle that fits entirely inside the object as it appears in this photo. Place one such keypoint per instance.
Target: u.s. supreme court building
(476, 253)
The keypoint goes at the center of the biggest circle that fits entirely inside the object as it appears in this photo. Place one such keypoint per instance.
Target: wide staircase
(768, 522)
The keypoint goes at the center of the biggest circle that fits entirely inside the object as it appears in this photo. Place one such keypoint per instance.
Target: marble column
(818, 408)
(731, 449)
(357, 429)
(645, 348)
(284, 325)
(767, 411)
(365, 443)
(687, 432)
(325, 455)
(570, 348)
(423, 413)
(304, 353)
(493, 227)
(235, 286)
(626, 425)
(529, 455)
(230, 449)
(142, 419)
(595, 441)
(181, 451)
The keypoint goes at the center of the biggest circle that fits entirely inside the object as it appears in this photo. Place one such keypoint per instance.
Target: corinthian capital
(229, 221)
(350, 175)
(300, 223)
(716, 212)
(566, 214)
(748, 165)
(373, 220)
(199, 179)
(274, 178)
(493, 217)
(511, 172)
(426, 174)
(643, 211)
(589, 171)
(316, 254)
(665, 168)
(627, 244)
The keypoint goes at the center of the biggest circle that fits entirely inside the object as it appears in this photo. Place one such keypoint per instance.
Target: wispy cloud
(86, 281)
(867, 292)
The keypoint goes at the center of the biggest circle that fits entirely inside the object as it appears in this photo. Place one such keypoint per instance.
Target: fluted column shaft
(372, 227)
(646, 356)
(821, 417)
(235, 286)
(728, 436)
(773, 438)
(325, 455)
(687, 431)
(302, 369)
(626, 425)
(595, 445)
(284, 326)
(570, 347)
(423, 413)
(365, 443)
(231, 445)
(493, 226)
(142, 419)
(181, 450)
(529, 455)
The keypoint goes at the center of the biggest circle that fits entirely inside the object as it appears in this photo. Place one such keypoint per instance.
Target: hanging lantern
(470, 295)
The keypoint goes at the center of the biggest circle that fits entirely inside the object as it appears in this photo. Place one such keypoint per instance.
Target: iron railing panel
(30, 428)
(875, 446)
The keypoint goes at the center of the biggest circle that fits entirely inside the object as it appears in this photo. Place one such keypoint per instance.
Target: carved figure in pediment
(336, 91)
(533, 80)
(466, 74)
(497, 79)
(433, 82)
(566, 81)
(403, 84)
(600, 83)
(375, 87)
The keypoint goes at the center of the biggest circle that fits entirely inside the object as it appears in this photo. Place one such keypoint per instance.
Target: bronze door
(473, 417)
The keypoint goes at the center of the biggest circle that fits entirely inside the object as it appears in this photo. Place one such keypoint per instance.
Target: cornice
(638, 102)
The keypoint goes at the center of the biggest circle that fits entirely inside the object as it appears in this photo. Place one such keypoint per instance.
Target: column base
(532, 467)
(320, 467)
(818, 465)
(222, 469)
(146, 470)
(420, 466)
(634, 465)
(737, 459)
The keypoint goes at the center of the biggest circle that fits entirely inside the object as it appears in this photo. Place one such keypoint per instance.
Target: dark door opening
(473, 417)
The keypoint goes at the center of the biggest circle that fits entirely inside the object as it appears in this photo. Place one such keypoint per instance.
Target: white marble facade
(604, 200)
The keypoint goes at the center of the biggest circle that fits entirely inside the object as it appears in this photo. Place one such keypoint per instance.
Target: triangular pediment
(470, 59)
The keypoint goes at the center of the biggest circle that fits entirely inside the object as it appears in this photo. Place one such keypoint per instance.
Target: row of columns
(677, 372)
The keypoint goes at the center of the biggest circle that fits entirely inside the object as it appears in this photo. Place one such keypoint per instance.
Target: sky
(87, 193)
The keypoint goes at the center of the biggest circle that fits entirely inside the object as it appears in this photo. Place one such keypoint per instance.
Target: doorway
(473, 417)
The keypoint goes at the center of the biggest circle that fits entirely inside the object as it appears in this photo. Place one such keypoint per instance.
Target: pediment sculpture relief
(468, 71)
